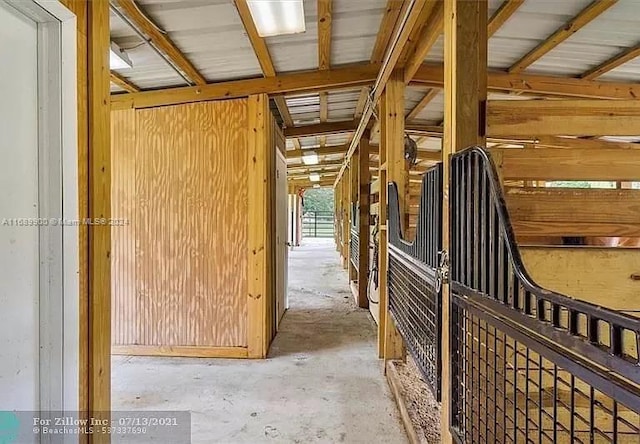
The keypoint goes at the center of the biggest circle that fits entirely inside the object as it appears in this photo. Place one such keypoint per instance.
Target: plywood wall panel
(123, 140)
(188, 198)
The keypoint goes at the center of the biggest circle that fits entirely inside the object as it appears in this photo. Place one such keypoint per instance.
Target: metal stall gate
(527, 364)
(415, 300)
(354, 240)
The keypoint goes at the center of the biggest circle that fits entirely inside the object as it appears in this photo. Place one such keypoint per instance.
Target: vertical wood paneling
(183, 185)
(123, 132)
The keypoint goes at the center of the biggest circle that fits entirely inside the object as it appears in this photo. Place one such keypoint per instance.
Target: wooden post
(465, 81)
(258, 236)
(99, 131)
(364, 178)
(393, 170)
(346, 188)
(337, 220)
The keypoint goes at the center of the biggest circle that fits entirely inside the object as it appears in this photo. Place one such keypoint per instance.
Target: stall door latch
(442, 272)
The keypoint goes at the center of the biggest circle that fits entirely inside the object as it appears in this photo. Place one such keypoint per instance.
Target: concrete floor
(322, 382)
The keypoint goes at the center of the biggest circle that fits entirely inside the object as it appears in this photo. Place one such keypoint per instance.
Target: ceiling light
(310, 158)
(314, 177)
(118, 59)
(277, 17)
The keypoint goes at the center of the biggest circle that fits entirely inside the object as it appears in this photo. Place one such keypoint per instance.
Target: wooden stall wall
(181, 263)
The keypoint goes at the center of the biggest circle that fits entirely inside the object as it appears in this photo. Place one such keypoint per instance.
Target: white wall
(19, 270)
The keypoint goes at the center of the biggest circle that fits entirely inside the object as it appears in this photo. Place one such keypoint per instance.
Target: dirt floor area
(422, 406)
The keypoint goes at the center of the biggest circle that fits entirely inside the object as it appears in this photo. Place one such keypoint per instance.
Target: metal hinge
(442, 272)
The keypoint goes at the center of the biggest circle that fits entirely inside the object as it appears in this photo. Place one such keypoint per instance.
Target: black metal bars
(414, 302)
(528, 364)
(354, 242)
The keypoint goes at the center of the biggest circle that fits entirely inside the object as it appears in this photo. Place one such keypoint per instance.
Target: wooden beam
(321, 129)
(465, 81)
(323, 151)
(574, 212)
(99, 207)
(504, 12)
(551, 164)
(410, 19)
(430, 33)
(123, 83)
(422, 104)
(531, 118)
(423, 9)
(364, 233)
(310, 81)
(620, 59)
(161, 40)
(387, 25)
(563, 33)
(324, 54)
(392, 145)
(433, 74)
(257, 243)
(264, 59)
(578, 143)
(324, 114)
(325, 8)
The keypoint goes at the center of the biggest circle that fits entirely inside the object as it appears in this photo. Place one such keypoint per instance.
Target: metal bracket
(442, 272)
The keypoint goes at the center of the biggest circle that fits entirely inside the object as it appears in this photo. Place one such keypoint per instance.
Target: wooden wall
(181, 265)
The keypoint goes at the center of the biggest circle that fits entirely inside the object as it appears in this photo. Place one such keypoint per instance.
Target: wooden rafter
(574, 25)
(429, 96)
(424, 13)
(611, 64)
(123, 83)
(428, 36)
(325, 8)
(433, 75)
(359, 75)
(324, 54)
(161, 40)
(302, 82)
(325, 151)
(342, 126)
(504, 12)
(387, 25)
(264, 59)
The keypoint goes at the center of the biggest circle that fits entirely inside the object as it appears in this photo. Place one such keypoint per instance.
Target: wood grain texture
(99, 201)
(79, 8)
(257, 247)
(591, 12)
(504, 12)
(568, 164)
(533, 118)
(182, 183)
(180, 351)
(574, 212)
(161, 40)
(578, 272)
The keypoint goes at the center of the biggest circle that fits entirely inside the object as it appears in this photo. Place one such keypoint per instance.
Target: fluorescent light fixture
(277, 17)
(316, 185)
(118, 59)
(314, 177)
(310, 158)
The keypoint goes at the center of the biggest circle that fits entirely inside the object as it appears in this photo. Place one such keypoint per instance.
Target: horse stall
(538, 351)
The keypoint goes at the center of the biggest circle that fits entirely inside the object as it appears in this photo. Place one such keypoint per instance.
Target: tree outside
(318, 199)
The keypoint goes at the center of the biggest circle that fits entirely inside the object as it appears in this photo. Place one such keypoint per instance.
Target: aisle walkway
(322, 381)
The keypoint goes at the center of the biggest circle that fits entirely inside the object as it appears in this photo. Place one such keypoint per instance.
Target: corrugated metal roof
(211, 35)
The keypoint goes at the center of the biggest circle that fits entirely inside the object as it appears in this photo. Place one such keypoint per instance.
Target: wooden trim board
(394, 384)
(180, 351)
